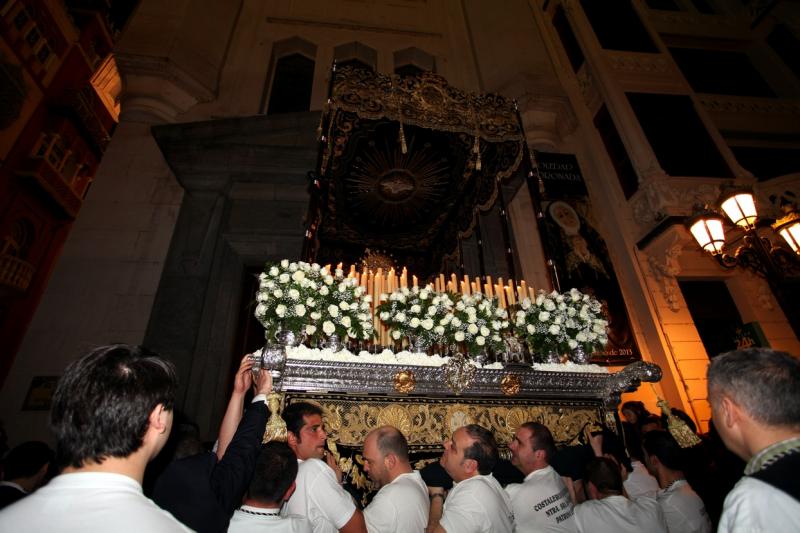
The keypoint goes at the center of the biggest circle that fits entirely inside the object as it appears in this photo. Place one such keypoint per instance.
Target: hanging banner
(561, 175)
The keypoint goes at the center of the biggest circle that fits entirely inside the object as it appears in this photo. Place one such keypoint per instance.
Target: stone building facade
(202, 182)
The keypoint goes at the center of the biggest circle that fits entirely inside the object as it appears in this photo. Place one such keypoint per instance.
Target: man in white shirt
(111, 414)
(608, 511)
(638, 482)
(401, 504)
(542, 502)
(271, 487)
(755, 405)
(476, 503)
(319, 495)
(683, 509)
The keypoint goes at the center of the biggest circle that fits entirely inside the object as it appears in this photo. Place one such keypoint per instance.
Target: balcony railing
(15, 272)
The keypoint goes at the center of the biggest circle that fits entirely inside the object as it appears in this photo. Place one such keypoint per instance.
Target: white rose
(427, 324)
(480, 341)
(460, 306)
(473, 329)
(285, 263)
(530, 329)
(395, 334)
(278, 293)
(459, 336)
(415, 308)
(554, 329)
(315, 267)
(273, 271)
(344, 306)
(311, 329)
(310, 302)
(261, 309)
(299, 275)
(323, 291)
(572, 344)
(384, 316)
(549, 305)
(456, 321)
(414, 323)
(328, 327)
(439, 330)
(346, 321)
(280, 310)
(400, 317)
(424, 294)
(471, 319)
(316, 315)
(580, 337)
(485, 331)
(284, 278)
(333, 310)
(544, 316)
(294, 294)
(300, 310)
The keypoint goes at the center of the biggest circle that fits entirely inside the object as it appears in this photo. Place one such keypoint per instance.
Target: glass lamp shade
(789, 228)
(708, 232)
(740, 206)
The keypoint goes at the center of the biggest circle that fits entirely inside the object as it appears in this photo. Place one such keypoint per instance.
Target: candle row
(379, 282)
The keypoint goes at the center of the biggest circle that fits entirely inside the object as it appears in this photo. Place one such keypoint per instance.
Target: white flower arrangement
(416, 311)
(345, 309)
(479, 323)
(561, 322)
(287, 296)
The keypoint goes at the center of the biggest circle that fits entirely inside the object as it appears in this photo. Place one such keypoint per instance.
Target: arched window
(19, 240)
(356, 54)
(292, 77)
(413, 62)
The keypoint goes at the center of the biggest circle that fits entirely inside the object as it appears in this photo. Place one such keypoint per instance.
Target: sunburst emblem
(390, 188)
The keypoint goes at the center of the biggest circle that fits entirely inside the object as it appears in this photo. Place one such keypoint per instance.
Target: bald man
(401, 504)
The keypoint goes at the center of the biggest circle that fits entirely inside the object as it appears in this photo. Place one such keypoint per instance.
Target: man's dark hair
(651, 419)
(763, 382)
(541, 439)
(604, 474)
(483, 450)
(26, 460)
(391, 440)
(293, 416)
(102, 404)
(662, 444)
(274, 473)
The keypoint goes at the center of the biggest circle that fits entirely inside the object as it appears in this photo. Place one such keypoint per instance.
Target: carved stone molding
(640, 63)
(658, 198)
(155, 89)
(665, 266)
(716, 103)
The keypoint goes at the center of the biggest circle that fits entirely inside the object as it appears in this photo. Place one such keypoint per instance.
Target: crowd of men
(112, 414)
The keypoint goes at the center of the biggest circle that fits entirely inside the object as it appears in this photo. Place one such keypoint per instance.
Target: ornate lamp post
(779, 265)
(750, 249)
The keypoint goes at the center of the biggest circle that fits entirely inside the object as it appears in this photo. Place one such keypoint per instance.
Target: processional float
(404, 168)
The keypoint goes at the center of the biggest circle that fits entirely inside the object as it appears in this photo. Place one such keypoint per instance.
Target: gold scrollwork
(426, 423)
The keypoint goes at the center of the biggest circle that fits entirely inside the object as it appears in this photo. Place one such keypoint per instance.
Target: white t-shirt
(683, 509)
(542, 503)
(245, 520)
(477, 505)
(320, 498)
(640, 482)
(86, 502)
(618, 514)
(402, 506)
(755, 506)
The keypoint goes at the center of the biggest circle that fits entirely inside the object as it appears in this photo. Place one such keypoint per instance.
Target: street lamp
(753, 251)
